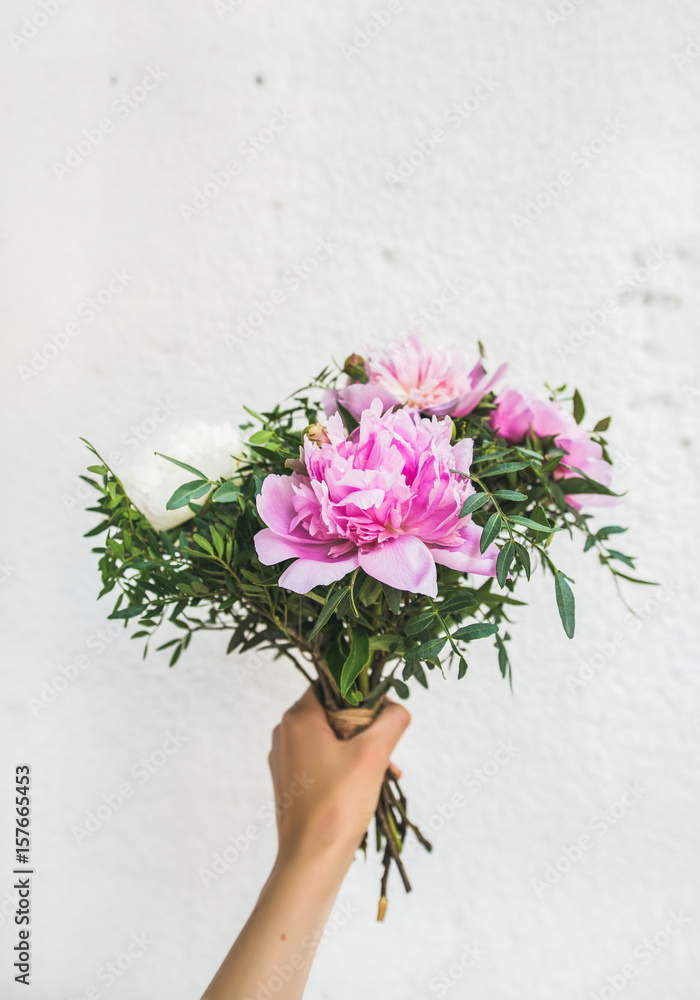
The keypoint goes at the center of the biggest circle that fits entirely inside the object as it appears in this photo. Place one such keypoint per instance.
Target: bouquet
(369, 529)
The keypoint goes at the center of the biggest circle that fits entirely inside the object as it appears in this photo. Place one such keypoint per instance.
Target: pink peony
(515, 414)
(432, 380)
(386, 499)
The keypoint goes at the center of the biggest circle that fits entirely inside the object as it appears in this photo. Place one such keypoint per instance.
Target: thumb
(387, 729)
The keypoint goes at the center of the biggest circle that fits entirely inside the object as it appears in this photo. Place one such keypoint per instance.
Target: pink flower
(432, 380)
(386, 499)
(515, 414)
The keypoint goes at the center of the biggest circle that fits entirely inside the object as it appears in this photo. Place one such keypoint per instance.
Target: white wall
(525, 290)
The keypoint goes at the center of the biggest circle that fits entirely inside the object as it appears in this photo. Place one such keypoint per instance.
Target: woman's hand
(327, 789)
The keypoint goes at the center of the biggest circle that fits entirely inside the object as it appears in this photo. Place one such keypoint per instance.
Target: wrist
(325, 862)
(304, 884)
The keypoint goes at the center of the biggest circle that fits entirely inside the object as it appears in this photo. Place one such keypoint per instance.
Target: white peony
(150, 480)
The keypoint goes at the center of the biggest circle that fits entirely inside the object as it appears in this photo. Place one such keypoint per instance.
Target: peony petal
(470, 400)
(403, 562)
(275, 505)
(580, 500)
(586, 455)
(363, 499)
(305, 574)
(549, 419)
(512, 415)
(329, 401)
(462, 454)
(273, 548)
(442, 409)
(468, 558)
(359, 396)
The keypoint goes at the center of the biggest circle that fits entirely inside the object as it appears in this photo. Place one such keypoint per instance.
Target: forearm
(326, 792)
(276, 947)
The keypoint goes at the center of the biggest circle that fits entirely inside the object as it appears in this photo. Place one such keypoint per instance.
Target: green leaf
(132, 612)
(89, 446)
(489, 457)
(97, 529)
(226, 493)
(351, 595)
(474, 502)
(505, 558)
(463, 666)
(93, 482)
(203, 544)
(611, 529)
(400, 688)
(602, 425)
(524, 557)
(426, 651)
(167, 542)
(565, 603)
(344, 608)
(572, 485)
(393, 597)
(536, 455)
(218, 540)
(184, 465)
(178, 609)
(579, 408)
(551, 464)
(538, 514)
(460, 602)
(335, 658)
(501, 470)
(358, 657)
(477, 630)
(526, 522)
(634, 579)
(419, 623)
(165, 645)
(261, 437)
(503, 662)
(100, 470)
(189, 491)
(491, 529)
(327, 610)
(369, 591)
(386, 640)
(415, 669)
(627, 560)
(510, 495)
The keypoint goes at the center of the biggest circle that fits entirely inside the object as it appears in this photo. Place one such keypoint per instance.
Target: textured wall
(164, 97)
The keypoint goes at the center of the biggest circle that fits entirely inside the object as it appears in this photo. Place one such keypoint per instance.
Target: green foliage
(361, 638)
(565, 603)
(477, 630)
(190, 491)
(492, 527)
(357, 660)
(473, 503)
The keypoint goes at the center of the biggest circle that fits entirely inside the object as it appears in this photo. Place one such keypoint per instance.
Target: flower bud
(355, 367)
(317, 434)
